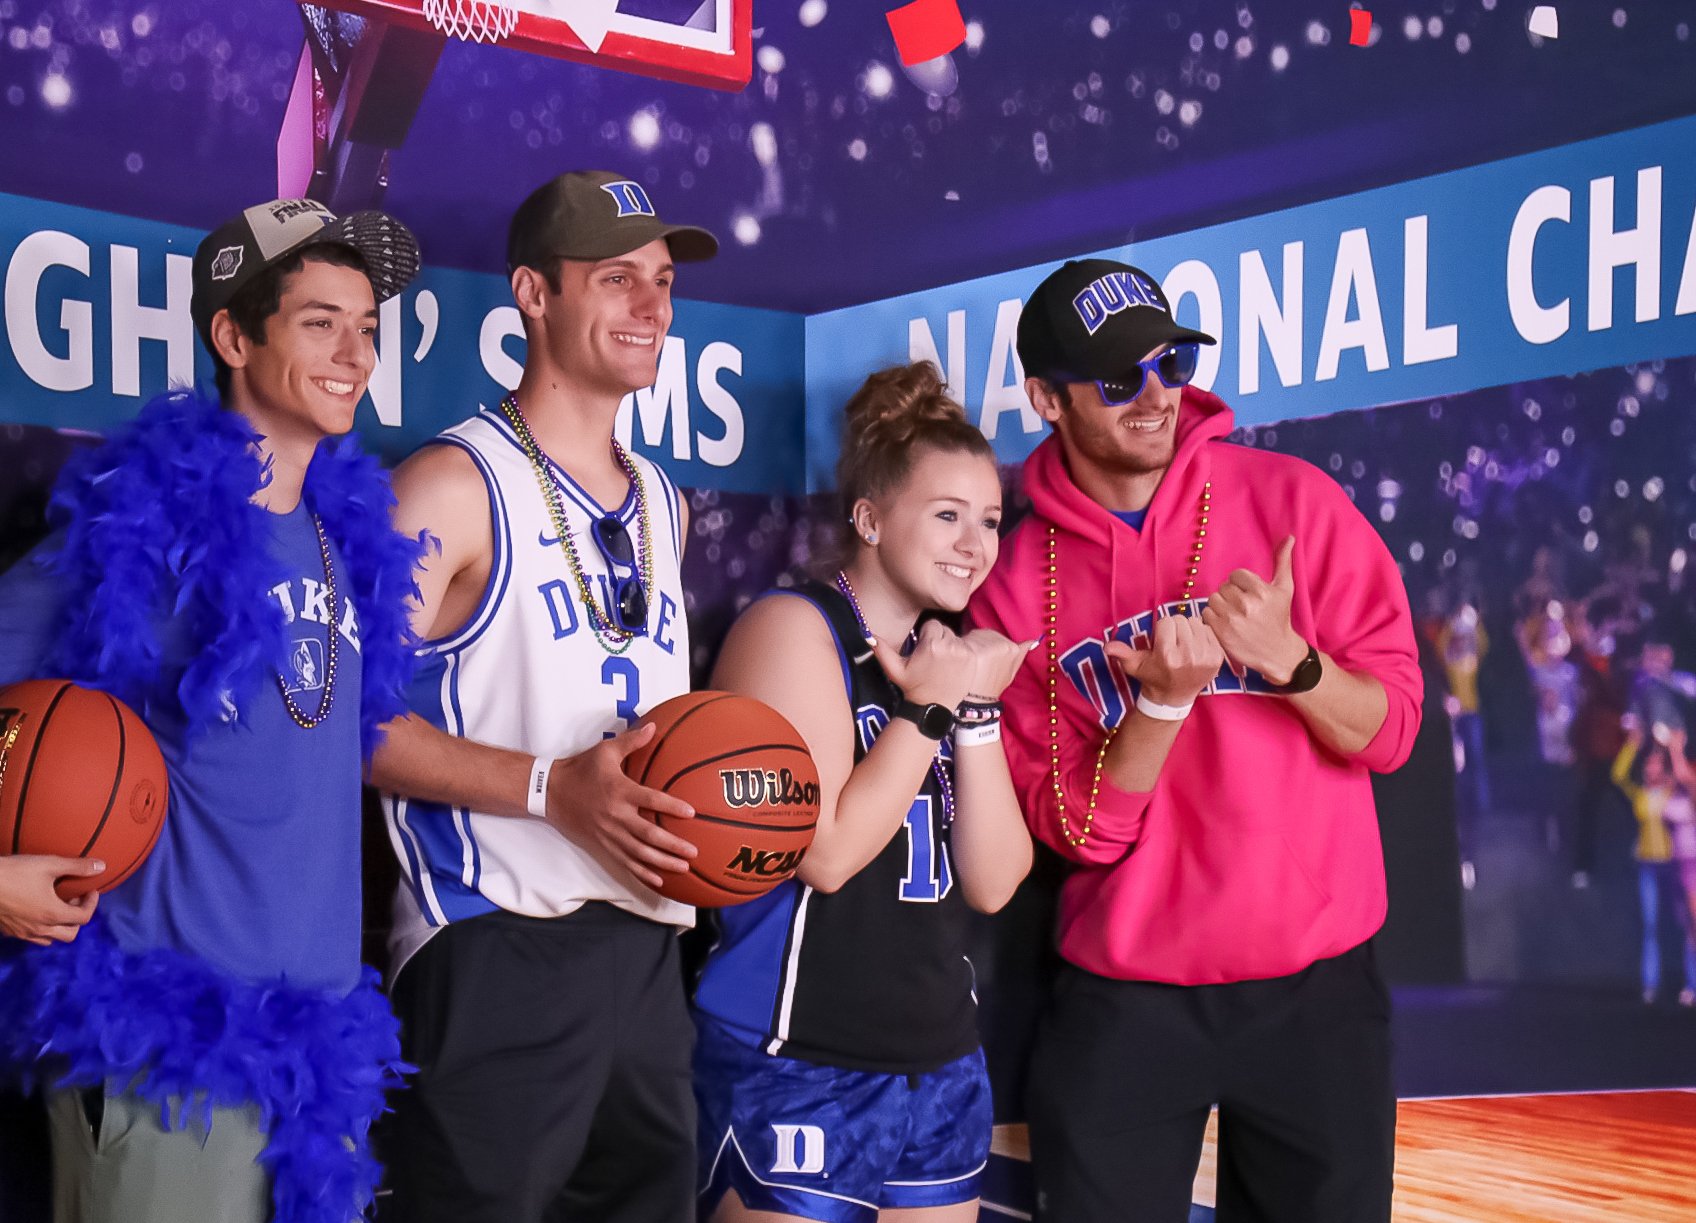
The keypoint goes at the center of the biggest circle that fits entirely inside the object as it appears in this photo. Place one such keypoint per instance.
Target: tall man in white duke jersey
(537, 975)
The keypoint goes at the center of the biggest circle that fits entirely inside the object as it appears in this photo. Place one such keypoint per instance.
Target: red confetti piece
(926, 29)
(1360, 27)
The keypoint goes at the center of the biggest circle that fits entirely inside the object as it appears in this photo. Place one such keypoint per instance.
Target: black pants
(1125, 1074)
(553, 1082)
(26, 1188)
(1595, 794)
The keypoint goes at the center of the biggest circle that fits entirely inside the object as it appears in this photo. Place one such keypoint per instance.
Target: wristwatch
(1305, 678)
(933, 721)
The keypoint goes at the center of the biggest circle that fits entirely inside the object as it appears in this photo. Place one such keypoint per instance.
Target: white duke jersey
(526, 672)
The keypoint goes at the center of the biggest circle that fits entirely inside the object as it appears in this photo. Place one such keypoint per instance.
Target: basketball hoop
(694, 42)
(471, 20)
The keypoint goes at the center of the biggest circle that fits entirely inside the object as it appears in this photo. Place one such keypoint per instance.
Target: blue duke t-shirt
(257, 869)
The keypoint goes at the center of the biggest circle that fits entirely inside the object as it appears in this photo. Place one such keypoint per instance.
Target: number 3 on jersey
(929, 877)
(626, 677)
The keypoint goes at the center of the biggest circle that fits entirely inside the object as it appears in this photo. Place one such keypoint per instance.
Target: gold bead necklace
(1053, 635)
(612, 638)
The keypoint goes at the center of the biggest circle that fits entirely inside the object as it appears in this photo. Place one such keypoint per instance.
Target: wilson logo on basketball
(766, 863)
(144, 802)
(766, 788)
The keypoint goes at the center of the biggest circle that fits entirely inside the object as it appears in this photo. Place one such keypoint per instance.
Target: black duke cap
(1095, 319)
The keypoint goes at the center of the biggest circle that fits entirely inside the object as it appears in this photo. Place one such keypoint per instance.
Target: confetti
(926, 29)
(1545, 22)
(1360, 27)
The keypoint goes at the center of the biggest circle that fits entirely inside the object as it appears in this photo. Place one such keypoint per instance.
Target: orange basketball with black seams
(751, 780)
(80, 777)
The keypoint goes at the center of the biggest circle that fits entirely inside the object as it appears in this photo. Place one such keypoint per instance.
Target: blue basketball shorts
(835, 1145)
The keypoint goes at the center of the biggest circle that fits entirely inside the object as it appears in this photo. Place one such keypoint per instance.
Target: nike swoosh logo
(543, 538)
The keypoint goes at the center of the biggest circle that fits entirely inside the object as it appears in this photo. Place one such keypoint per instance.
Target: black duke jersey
(873, 976)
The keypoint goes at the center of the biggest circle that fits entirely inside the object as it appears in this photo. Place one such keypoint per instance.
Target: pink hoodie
(1257, 852)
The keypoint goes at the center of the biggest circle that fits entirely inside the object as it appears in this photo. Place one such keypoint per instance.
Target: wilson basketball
(81, 777)
(748, 775)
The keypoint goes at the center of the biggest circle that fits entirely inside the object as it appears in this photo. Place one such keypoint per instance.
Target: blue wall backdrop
(1569, 259)
(96, 314)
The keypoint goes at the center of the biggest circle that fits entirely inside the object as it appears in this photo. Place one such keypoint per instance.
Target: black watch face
(1307, 673)
(935, 721)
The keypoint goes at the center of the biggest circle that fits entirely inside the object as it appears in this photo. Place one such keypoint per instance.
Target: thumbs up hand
(1250, 616)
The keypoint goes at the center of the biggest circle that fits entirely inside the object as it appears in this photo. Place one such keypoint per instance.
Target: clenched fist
(1182, 658)
(939, 671)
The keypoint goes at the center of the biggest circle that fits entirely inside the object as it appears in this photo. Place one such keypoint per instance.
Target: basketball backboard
(697, 42)
(367, 63)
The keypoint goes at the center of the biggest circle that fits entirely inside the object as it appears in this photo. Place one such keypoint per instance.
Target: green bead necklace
(612, 638)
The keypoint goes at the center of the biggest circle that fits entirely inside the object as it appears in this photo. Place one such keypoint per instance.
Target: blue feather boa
(160, 522)
(159, 526)
(184, 1036)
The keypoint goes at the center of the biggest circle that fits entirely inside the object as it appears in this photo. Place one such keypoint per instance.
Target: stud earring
(871, 538)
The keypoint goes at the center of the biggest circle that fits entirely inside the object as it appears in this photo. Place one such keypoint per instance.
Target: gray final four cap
(259, 238)
(595, 214)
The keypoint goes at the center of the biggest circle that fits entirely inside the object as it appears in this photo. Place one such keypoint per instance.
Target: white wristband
(536, 800)
(1162, 713)
(976, 736)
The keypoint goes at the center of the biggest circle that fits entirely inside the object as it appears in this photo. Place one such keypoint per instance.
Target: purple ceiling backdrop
(837, 176)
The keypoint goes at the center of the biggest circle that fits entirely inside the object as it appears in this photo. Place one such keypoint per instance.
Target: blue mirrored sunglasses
(629, 599)
(1174, 367)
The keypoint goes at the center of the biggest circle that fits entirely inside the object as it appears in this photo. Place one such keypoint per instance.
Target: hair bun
(895, 416)
(895, 404)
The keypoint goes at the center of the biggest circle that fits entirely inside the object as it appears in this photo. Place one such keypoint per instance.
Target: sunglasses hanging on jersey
(1174, 367)
(629, 600)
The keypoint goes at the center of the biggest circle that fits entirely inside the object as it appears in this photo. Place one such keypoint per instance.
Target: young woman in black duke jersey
(838, 1067)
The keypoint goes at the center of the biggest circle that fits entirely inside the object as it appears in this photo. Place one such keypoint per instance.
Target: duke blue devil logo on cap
(1112, 293)
(632, 201)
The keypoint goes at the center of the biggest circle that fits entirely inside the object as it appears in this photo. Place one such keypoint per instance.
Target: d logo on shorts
(810, 1141)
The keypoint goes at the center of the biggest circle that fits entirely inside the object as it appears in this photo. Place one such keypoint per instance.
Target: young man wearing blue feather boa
(211, 1047)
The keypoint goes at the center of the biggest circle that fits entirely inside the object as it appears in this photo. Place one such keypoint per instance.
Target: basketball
(748, 775)
(80, 777)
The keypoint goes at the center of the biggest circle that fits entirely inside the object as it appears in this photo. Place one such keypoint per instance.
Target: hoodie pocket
(1246, 905)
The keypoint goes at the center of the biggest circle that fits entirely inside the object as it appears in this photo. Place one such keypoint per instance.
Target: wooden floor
(1606, 1158)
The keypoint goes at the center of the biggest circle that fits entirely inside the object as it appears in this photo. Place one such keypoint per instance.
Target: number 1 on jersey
(929, 877)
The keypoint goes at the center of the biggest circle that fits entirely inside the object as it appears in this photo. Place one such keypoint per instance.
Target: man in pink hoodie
(1226, 655)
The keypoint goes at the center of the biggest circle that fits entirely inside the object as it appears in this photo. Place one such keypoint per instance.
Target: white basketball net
(471, 20)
